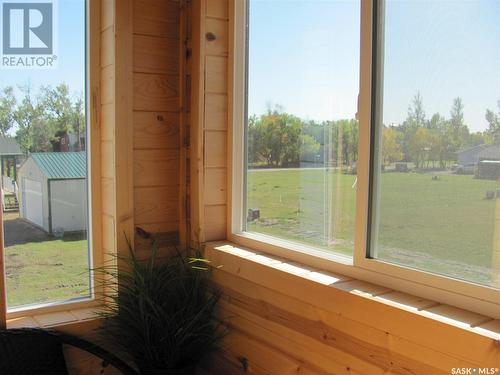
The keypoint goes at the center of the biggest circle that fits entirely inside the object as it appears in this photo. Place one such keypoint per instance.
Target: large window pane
(302, 135)
(43, 151)
(437, 191)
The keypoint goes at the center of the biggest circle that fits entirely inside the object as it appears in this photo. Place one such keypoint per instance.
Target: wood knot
(160, 118)
(244, 363)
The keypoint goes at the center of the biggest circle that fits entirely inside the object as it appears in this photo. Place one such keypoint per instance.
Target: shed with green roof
(53, 191)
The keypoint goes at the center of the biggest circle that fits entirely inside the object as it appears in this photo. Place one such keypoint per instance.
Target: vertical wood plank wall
(115, 126)
(274, 331)
(156, 117)
(165, 86)
(107, 126)
(140, 121)
(209, 110)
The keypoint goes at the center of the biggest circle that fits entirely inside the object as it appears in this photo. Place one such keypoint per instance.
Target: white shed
(53, 191)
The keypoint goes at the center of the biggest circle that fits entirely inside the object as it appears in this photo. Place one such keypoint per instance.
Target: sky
(70, 38)
(304, 56)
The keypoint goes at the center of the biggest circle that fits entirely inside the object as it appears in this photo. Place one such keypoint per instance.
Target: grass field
(39, 272)
(444, 226)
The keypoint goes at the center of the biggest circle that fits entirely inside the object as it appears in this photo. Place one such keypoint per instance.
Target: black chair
(33, 351)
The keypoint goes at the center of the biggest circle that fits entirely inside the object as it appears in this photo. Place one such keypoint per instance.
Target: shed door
(32, 199)
(68, 202)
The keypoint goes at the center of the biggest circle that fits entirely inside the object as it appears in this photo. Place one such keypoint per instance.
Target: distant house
(53, 191)
(68, 142)
(470, 155)
(469, 158)
(10, 155)
(491, 153)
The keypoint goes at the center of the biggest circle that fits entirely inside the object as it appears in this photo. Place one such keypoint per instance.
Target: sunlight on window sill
(55, 319)
(242, 262)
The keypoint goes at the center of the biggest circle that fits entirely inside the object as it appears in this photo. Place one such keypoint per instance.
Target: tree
(419, 146)
(391, 150)
(415, 119)
(434, 147)
(33, 133)
(341, 141)
(477, 138)
(253, 141)
(7, 108)
(493, 125)
(436, 121)
(43, 118)
(270, 133)
(274, 138)
(349, 137)
(58, 109)
(459, 131)
(309, 147)
(440, 140)
(78, 122)
(291, 141)
(416, 113)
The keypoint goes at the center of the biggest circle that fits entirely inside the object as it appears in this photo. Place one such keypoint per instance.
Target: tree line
(39, 120)
(280, 140)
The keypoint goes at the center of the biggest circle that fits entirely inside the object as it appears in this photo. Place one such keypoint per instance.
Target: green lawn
(423, 222)
(444, 226)
(293, 205)
(47, 271)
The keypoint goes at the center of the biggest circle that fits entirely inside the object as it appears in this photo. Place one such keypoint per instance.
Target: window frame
(467, 295)
(92, 114)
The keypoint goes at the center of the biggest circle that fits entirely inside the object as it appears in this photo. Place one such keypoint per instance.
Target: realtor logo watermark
(28, 34)
(475, 371)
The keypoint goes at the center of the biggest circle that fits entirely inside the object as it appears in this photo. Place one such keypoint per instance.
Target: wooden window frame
(95, 255)
(480, 299)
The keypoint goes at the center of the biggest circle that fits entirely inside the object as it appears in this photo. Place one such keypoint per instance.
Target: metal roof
(61, 165)
(490, 153)
(9, 146)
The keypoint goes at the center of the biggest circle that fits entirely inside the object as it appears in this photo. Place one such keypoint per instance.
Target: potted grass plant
(161, 313)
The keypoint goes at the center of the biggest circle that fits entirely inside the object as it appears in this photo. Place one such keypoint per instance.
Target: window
(44, 152)
(397, 185)
(437, 159)
(301, 129)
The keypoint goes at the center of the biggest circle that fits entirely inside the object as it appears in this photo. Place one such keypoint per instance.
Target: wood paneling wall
(285, 319)
(165, 69)
(209, 120)
(140, 122)
(106, 126)
(279, 325)
(157, 108)
(136, 93)
(115, 126)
